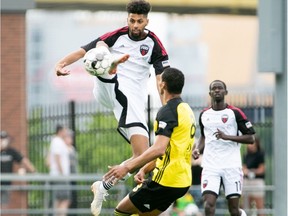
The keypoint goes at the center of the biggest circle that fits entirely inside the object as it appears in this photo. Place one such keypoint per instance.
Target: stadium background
(217, 60)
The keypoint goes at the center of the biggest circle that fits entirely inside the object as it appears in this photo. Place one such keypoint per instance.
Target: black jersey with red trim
(223, 153)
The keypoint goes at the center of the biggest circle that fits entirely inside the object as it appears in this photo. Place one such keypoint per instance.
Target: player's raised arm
(67, 60)
(158, 81)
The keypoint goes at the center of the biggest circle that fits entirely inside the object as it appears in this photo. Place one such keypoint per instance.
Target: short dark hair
(138, 7)
(225, 87)
(59, 127)
(174, 80)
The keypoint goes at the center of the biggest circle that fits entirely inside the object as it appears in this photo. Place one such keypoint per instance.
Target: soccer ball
(98, 61)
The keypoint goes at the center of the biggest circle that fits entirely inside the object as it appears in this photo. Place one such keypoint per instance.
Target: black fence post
(72, 123)
(149, 117)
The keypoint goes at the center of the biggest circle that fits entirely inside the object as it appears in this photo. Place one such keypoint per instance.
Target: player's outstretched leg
(99, 195)
(115, 63)
(100, 190)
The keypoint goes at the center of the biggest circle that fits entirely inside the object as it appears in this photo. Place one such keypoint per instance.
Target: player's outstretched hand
(115, 173)
(115, 63)
(60, 70)
(220, 134)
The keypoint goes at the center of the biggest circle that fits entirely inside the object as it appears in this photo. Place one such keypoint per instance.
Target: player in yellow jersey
(169, 158)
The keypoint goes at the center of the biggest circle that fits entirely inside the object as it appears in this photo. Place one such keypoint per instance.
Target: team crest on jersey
(144, 49)
(224, 118)
(205, 183)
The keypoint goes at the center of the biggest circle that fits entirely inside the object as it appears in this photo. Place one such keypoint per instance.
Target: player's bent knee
(235, 212)
(119, 213)
(209, 206)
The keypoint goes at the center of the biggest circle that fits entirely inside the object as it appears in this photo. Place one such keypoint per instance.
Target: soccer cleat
(115, 63)
(99, 196)
(243, 213)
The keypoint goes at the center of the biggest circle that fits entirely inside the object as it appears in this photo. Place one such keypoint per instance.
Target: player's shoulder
(229, 106)
(238, 111)
(122, 30)
(154, 37)
(174, 103)
(116, 32)
(206, 109)
(184, 107)
(152, 34)
(170, 107)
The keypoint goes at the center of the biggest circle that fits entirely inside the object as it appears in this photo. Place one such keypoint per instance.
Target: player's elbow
(159, 151)
(249, 139)
(252, 139)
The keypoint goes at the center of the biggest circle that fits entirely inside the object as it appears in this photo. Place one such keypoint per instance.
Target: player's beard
(135, 36)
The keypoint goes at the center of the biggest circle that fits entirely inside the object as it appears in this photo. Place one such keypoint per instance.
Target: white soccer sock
(107, 185)
(125, 177)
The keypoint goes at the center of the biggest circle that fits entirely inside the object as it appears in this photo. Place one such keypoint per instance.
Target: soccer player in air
(223, 127)
(126, 91)
(169, 157)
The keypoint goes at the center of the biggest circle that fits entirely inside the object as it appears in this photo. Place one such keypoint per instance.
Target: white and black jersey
(143, 53)
(223, 153)
(127, 92)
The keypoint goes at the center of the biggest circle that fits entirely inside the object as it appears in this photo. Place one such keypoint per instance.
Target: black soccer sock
(119, 213)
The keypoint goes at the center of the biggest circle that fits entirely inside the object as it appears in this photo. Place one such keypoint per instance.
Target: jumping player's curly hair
(138, 7)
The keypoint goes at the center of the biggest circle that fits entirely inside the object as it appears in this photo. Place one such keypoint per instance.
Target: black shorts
(150, 196)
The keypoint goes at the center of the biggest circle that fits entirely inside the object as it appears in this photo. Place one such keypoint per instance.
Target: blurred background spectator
(8, 156)
(73, 159)
(254, 174)
(58, 160)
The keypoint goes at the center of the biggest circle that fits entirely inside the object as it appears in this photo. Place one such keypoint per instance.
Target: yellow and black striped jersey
(175, 120)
